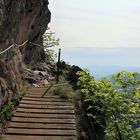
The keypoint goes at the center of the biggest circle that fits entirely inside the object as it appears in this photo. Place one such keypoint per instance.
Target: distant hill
(108, 71)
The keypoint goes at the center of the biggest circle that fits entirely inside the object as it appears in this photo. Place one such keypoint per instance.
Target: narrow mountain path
(42, 118)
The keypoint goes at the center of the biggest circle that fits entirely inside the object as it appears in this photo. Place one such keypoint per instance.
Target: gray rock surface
(40, 75)
(21, 20)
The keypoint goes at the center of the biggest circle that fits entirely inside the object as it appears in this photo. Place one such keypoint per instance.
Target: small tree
(49, 41)
(127, 81)
(112, 109)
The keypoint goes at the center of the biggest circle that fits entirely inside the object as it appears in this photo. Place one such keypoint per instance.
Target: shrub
(22, 91)
(73, 77)
(16, 100)
(64, 91)
(5, 113)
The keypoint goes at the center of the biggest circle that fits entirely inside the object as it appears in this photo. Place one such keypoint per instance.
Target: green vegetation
(64, 91)
(5, 113)
(127, 81)
(21, 91)
(2, 138)
(114, 112)
(15, 101)
(49, 41)
(72, 76)
(50, 55)
(67, 81)
(81, 120)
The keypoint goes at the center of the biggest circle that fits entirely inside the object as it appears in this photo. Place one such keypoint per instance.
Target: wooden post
(58, 66)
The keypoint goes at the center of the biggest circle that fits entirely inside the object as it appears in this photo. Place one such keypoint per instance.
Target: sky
(98, 32)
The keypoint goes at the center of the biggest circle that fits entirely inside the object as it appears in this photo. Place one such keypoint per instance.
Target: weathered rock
(4, 91)
(41, 67)
(35, 85)
(31, 80)
(37, 77)
(44, 82)
(10, 92)
(20, 21)
(43, 73)
(36, 72)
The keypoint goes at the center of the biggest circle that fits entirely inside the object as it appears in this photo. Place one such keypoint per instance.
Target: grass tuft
(5, 113)
(64, 91)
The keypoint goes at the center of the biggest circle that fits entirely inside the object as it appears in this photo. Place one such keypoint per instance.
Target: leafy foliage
(114, 110)
(127, 81)
(50, 40)
(72, 76)
(16, 100)
(5, 113)
(64, 91)
(50, 55)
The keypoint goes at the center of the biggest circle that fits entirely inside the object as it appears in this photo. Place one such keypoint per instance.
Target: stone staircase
(42, 118)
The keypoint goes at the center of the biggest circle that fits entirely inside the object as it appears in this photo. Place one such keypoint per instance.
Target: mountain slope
(103, 71)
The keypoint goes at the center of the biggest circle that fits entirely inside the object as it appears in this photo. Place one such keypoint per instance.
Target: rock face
(21, 20)
(40, 74)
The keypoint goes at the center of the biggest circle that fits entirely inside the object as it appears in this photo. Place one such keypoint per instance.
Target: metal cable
(21, 44)
(7, 49)
(36, 44)
(13, 46)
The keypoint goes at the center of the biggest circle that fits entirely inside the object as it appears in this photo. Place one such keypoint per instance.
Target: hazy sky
(104, 27)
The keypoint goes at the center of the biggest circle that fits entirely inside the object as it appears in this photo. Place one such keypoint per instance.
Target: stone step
(25, 137)
(43, 120)
(38, 96)
(32, 89)
(45, 99)
(46, 107)
(41, 126)
(41, 132)
(46, 103)
(39, 115)
(45, 111)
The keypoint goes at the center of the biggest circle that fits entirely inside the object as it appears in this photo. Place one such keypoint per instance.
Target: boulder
(31, 80)
(44, 82)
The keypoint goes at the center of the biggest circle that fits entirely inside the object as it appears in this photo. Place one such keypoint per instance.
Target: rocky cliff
(20, 21)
